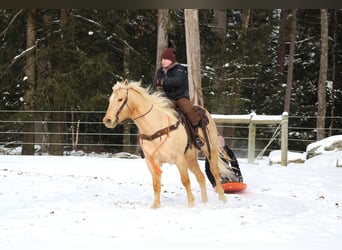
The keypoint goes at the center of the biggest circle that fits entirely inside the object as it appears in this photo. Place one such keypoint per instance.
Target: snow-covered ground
(83, 202)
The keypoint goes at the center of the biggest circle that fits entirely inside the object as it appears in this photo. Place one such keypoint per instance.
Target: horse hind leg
(215, 171)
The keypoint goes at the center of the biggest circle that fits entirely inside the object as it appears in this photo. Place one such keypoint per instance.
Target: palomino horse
(162, 137)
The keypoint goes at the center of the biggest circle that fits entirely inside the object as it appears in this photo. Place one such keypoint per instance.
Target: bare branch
(22, 54)
(10, 23)
(16, 58)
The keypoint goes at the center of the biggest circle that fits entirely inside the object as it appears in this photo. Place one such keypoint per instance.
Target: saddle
(190, 130)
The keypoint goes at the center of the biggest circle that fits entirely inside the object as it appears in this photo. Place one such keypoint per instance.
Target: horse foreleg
(183, 170)
(156, 181)
(156, 189)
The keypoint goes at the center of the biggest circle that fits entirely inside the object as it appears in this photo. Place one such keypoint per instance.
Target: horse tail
(224, 166)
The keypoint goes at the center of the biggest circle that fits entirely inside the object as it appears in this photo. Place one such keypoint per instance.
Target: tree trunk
(126, 125)
(57, 127)
(283, 32)
(291, 59)
(333, 76)
(30, 71)
(162, 36)
(220, 28)
(193, 52)
(220, 23)
(246, 15)
(322, 76)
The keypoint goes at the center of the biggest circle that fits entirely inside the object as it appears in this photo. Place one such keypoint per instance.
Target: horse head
(117, 110)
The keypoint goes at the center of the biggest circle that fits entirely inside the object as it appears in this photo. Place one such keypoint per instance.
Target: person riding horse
(172, 78)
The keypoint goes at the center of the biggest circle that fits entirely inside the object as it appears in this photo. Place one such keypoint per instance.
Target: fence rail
(247, 134)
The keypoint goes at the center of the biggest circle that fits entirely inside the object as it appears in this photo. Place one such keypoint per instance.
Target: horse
(162, 137)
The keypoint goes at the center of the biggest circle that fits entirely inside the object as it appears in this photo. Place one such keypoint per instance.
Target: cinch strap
(159, 133)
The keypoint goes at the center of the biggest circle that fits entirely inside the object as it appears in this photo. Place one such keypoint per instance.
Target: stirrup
(198, 142)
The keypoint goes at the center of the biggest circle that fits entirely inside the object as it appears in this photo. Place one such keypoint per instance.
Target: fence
(83, 130)
(253, 120)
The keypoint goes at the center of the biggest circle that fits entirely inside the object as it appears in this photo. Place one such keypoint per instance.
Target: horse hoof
(155, 206)
(223, 199)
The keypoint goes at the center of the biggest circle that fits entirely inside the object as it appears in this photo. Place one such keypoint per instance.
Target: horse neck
(149, 118)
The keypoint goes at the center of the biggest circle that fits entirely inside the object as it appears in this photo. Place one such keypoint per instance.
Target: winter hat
(169, 54)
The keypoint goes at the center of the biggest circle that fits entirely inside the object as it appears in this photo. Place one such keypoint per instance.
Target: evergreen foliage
(77, 66)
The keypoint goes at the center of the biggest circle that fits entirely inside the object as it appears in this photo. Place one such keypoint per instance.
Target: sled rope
(275, 134)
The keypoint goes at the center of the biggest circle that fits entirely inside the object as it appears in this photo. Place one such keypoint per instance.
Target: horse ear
(126, 82)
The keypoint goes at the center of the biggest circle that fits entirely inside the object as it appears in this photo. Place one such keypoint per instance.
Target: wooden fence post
(284, 138)
(251, 139)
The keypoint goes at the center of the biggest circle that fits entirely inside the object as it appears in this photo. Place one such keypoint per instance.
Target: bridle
(125, 103)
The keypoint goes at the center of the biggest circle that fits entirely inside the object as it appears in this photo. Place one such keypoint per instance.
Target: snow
(98, 202)
(275, 157)
(325, 145)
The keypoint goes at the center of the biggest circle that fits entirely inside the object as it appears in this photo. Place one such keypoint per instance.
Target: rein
(148, 111)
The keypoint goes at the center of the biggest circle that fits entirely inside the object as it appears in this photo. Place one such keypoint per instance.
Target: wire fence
(84, 131)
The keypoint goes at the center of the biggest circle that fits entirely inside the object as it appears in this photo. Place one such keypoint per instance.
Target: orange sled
(233, 187)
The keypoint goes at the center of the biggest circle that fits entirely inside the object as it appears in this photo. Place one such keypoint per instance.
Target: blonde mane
(158, 99)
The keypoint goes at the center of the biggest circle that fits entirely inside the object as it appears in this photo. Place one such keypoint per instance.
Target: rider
(172, 78)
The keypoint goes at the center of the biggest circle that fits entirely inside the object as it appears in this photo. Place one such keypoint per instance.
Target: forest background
(53, 61)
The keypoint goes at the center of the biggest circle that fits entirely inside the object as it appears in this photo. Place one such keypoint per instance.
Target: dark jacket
(175, 81)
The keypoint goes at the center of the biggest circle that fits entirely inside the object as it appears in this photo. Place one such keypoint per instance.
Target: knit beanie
(168, 54)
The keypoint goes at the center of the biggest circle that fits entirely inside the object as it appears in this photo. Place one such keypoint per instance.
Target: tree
(162, 33)
(193, 53)
(290, 64)
(57, 127)
(281, 50)
(321, 110)
(30, 72)
(246, 16)
(333, 75)
(220, 24)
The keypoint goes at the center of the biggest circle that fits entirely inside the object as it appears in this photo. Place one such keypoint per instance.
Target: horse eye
(120, 100)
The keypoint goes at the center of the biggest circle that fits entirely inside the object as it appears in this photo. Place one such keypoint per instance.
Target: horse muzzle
(109, 123)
